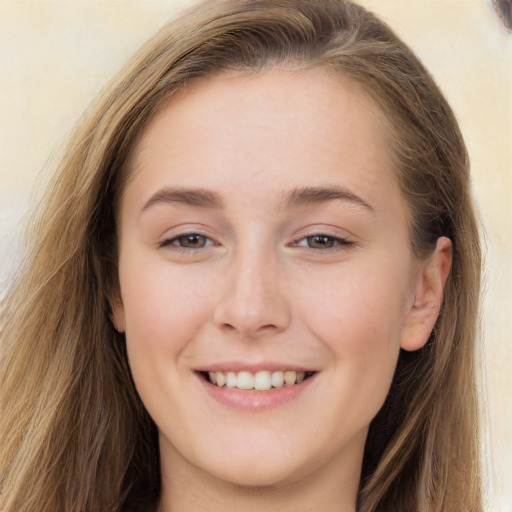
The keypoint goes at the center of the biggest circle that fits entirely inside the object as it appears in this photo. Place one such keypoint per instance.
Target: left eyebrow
(191, 197)
(315, 195)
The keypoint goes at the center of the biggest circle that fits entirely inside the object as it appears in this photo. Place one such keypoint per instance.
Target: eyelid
(339, 241)
(343, 240)
(169, 241)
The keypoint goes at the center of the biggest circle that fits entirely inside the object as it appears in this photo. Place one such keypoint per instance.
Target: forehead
(277, 127)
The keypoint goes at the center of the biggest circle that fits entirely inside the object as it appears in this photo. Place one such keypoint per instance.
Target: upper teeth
(262, 380)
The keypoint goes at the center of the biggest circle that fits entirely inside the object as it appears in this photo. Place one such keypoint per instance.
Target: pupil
(192, 241)
(321, 241)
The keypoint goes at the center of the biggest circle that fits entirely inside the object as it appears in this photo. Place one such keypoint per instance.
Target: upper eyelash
(339, 241)
(169, 242)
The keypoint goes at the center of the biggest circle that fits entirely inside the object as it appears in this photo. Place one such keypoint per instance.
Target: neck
(186, 488)
(187, 498)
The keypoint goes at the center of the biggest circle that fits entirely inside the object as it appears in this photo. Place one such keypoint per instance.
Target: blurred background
(56, 55)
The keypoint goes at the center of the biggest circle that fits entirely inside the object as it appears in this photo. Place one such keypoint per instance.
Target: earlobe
(428, 296)
(117, 316)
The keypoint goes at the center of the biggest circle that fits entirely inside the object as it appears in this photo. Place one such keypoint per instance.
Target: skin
(257, 288)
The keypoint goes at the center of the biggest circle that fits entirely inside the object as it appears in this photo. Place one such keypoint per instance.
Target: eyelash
(177, 241)
(333, 242)
(336, 243)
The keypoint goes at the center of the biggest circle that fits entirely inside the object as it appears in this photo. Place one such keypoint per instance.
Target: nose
(251, 303)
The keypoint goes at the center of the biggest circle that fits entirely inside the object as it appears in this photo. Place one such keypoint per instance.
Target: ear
(117, 316)
(428, 296)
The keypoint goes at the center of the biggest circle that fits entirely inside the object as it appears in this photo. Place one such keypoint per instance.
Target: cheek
(361, 304)
(164, 309)
(359, 320)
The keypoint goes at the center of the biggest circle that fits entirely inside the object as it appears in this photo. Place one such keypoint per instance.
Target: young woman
(254, 282)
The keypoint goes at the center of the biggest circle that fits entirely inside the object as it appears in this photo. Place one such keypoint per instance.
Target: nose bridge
(251, 301)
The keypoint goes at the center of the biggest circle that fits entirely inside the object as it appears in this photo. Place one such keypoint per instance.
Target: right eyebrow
(191, 197)
(316, 195)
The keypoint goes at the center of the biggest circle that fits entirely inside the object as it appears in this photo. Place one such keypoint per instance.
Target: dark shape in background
(503, 9)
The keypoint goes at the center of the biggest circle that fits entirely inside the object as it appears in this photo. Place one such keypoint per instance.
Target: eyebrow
(191, 197)
(304, 196)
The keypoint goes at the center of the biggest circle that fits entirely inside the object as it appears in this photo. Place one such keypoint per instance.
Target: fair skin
(262, 229)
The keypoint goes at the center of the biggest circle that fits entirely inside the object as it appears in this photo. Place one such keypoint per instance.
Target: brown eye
(191, 241)
(325, 242)
(321, 241)
(188, 242)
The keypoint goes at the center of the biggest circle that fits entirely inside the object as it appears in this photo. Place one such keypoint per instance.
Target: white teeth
(245, 380)
(231, 380)
(263, 380)
(277, 379)
(290, 377)
(220, 379)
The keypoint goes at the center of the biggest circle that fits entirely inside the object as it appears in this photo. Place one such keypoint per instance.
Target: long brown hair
(74, 434)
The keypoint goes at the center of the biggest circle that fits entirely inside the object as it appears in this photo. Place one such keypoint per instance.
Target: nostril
(228, 327)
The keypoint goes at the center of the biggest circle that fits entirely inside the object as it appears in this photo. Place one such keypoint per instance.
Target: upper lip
(240, 366)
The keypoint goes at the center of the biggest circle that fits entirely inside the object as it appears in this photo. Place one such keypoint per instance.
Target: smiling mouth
(260, 381)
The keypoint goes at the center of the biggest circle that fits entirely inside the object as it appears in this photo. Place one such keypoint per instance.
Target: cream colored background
(56, 55)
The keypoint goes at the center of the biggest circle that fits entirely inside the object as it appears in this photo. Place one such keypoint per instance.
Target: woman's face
(262, 232)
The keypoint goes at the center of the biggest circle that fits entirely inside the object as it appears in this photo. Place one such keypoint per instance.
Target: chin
(259, 475)
(266, 462)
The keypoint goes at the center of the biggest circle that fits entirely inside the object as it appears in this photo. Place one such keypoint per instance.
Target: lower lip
(254, 399)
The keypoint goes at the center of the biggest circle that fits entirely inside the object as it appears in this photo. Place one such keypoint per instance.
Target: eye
(188, 241)
(322, 241)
